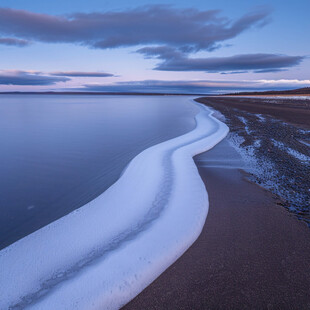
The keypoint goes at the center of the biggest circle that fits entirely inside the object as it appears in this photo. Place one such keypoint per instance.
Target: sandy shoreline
(251, 254)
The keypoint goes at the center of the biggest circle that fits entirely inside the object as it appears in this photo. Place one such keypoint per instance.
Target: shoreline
(294, 111)
(251, 254)
(297, 96)
(273, 138)
(109, 254)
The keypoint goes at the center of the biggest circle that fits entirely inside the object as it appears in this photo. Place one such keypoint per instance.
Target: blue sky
(201, 47)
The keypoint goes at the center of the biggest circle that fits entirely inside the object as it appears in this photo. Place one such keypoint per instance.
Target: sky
(154, 46)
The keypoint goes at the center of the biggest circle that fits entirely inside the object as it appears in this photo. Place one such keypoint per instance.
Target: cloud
(196, 86)
(269, 70)
(185, 29)
(8, 77)
(173, 60)
(81, 74)
(234, 72)
(161, 52)
(14, 42)
(35, 78)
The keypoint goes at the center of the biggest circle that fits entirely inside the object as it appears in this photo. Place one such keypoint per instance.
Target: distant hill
(299, 91)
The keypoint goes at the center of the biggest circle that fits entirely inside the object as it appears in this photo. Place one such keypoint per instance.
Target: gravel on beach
(277, 149)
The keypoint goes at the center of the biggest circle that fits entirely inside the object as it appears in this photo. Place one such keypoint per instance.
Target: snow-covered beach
(105, 253)
(252, 252)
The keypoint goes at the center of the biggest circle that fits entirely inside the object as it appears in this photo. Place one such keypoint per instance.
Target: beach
(296, 111)
(273, 137)
(252, 252)
(102, 255)
(154, 155)
(246, 246)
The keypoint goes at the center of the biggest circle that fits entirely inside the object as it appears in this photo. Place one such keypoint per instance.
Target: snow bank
(106, 252)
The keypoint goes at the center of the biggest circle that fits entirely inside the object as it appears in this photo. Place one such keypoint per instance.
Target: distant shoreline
(288, 93)
(290, 110)
(294, 92)
(102, 94)
(267, 96)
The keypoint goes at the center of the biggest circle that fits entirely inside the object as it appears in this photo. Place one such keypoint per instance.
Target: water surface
(60, 152)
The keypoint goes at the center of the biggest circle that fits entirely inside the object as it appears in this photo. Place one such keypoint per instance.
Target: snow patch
(301, 157)
(245, 122)
(261, 117)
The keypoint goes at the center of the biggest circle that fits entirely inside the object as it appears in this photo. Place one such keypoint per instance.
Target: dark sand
(294, 111)
(251, 254)
(283, 170)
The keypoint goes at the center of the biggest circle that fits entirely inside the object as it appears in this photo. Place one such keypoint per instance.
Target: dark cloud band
(186, 29)
(15, 77)
(14, 42)
(173, 60)
(81, 74)
(28, 78)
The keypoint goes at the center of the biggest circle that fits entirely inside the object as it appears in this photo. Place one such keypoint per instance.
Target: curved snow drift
(106, 252)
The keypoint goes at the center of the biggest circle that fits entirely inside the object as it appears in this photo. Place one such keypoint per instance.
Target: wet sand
(251, 254)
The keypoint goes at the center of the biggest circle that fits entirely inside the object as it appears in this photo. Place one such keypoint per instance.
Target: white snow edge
(103, 254)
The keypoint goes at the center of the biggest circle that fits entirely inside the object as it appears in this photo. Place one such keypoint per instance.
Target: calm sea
(59, 152)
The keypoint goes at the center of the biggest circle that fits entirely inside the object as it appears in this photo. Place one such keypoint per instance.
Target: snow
(105, 253)
(302, 157)
(261, 117)
(245, 122)
(304, 142)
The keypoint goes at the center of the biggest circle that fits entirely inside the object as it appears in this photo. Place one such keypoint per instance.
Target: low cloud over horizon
(32, 78)
(35, 78)
(14, 42)
(196, 86)
(81, 74)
